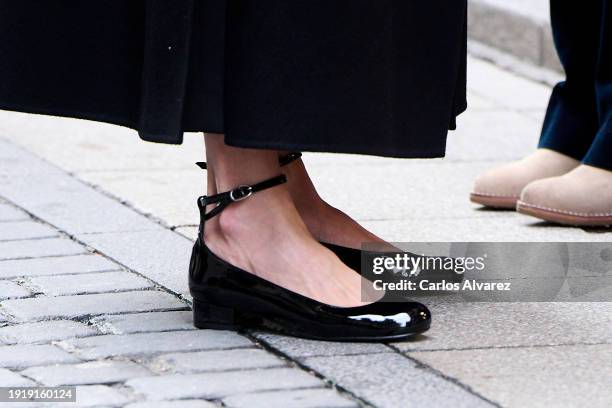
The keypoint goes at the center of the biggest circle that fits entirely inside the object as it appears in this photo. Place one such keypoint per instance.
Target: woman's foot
(582, 197)
(326, 223)
(501, 187)
(266, 236)
(226, 297)
(256, 256)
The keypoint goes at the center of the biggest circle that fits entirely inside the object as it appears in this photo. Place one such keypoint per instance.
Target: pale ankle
(256, 217)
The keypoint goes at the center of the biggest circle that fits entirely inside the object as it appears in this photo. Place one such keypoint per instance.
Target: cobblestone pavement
(95, 234)
(73, 316)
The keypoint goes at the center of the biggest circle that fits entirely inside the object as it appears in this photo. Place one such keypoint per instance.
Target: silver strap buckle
(241, 193)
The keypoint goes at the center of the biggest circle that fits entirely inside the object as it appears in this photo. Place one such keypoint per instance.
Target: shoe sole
(564, 218)
(208, 316)
(500, 202)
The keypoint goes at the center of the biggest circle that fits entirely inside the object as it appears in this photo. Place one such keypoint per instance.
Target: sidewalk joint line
(446, 377)
(16, 220)
(89, 250)
(110, 291)
(506, 347)
(27, 258)
(29, 239)
(330, 384)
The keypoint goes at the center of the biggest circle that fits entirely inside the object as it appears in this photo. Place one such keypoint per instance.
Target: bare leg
(265, 234)
(326, 223)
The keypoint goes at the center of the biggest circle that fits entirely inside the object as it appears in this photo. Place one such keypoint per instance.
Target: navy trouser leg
(572, 121)
(600, 153)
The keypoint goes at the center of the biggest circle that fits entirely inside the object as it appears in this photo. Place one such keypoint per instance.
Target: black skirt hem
(341, 149)
(303, 147)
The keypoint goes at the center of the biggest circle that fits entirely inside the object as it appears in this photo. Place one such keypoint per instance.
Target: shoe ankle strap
(289, 158)
(223, 200)
(282, 160)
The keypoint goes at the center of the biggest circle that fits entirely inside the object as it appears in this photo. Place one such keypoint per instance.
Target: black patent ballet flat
(229, 298)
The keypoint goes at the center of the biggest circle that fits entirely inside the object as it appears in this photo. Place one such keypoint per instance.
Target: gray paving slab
(520, 35)
(43, 332)
(138, 187)
(493, 136)
(20, 230)
(38, 248)
(536, 114)
(520, 28)
(96, 396)
(82, 305)
(17, 162)
(145, 344)
(549, 75)
(500, 86)
(11, 290)
(429, 189)
(163, 256)
(189, 232)
(21, 405)
(537, 9)
(208, 361)
(23, 356)
(71, 205)
(144, 322)
(383, 380)
(302, 348)
(172, 404)
(95, 372)
(219, 385)
(587, 289)
(479, 103)
(319, 398)
(118, 281)
(567, 376)
(496, 227)
(499, 325)
(55, 266)
(10, 213)
(84, 146)
(9, 378)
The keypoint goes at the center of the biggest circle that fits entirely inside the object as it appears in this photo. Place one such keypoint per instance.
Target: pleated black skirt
(380, 77)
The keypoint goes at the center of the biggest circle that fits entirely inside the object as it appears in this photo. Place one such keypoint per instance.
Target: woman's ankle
(259, 216)
(236, 234)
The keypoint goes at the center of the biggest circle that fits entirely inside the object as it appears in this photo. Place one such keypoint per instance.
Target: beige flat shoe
(582, 197)
(501, 187)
